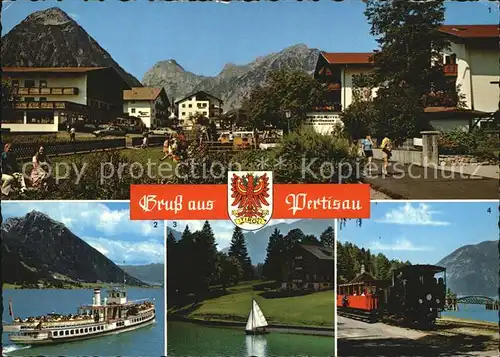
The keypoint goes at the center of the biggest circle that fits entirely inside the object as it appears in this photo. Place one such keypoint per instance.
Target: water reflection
(256, 345)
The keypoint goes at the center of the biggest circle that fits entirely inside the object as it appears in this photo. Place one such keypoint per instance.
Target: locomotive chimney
(362, 268)
(97, 297)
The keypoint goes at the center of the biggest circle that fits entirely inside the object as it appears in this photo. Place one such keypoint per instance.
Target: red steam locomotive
(415, 294)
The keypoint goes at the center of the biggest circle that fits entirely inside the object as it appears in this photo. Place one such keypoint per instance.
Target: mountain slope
(35, 243)
(473, 269)
(150, 273)
(234, 82)
(50, 38)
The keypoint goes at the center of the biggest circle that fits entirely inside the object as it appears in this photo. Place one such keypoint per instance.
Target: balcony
(46, 105)
(47, 91)
(336, 107)
(450, 70)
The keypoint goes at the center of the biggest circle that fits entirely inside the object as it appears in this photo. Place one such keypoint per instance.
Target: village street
(357, 338)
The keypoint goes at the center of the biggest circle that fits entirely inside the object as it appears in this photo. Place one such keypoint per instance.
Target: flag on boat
(11, 313)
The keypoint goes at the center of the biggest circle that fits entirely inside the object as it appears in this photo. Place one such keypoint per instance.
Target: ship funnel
(97, 297)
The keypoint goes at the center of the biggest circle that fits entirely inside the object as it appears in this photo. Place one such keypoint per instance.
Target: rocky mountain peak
(52, 16)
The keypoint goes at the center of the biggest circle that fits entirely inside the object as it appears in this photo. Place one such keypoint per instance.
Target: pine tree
(327, 238)
(185, 257)
(206, 256)
(238, 250)
(272, 268)
(172, 264)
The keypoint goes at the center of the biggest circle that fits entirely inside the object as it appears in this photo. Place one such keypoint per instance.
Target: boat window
(55, 333)
(72, 332)
(66, 332)
(86, 330)
(81, 330)
(94, 328)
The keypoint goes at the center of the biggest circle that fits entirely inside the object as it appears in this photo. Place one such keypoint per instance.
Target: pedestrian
(386, 147)
(144, 140)
(72, 134)
(10, 171)
(39, 175)
(166, 148)
(367, 145)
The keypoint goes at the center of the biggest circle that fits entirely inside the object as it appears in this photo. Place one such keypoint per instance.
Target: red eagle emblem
(249, 193)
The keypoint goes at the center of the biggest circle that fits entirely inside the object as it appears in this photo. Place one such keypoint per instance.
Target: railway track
(365, 316)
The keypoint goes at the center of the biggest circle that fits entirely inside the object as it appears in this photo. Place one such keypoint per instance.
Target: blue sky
(203, 37)
(105, 226)
(423, 233)
(223, 229)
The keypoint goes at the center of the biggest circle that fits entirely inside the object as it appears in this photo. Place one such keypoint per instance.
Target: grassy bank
(313, 310)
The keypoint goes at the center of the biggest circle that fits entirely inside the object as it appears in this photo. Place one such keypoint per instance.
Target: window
(205, 113)
(43, 83)
(72, 332)
(43, 99)
(94, 328)
(15, 83)
(29, 83)
(29, 99)
(183, 113)
(39, 117)
(66, 332)
(190, 105)
(81, 330)
(132, 110)
(55, 333)
(86, 330)
(184, 105)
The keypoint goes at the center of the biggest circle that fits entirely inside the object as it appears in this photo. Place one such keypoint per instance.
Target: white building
(46, 98)
(149, 104)
(472, 61)
(200, 102)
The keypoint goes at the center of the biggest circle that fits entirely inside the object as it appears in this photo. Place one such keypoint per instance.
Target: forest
(196, 266)
(350, 258)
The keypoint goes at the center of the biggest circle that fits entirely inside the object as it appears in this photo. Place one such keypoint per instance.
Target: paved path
(416, 182)
(356, 338)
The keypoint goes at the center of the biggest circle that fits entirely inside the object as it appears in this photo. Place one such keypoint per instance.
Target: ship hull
(256, 332)
(53, 341)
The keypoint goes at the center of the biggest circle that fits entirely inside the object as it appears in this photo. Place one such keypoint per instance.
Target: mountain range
(51, 38)
(37, 249)
(473, 269)
(150, 273)
(257, 241)
(234, 82)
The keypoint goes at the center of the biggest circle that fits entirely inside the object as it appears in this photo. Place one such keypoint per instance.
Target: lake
(146, 341)
(186, 339)
(473, 312)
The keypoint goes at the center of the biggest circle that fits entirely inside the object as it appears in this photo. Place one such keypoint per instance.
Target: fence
(25, 151)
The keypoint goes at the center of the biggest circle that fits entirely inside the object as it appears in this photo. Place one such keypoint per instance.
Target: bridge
(490, 303)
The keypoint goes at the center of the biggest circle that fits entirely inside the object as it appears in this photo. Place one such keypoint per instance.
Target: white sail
(256, 318)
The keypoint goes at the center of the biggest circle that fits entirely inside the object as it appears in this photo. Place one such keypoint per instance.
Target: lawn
(314, 310)
(148, 159)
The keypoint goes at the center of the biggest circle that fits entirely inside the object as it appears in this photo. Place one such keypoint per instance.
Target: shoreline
(293, 329)
(469, 322)
(19, 287)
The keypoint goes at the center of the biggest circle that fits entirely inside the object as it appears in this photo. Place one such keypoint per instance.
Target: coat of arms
(250, 198)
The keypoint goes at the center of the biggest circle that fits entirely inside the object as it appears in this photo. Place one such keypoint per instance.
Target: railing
(337, 107)
(25, 151)
(46, 105)
(450, 69)
(47, 91)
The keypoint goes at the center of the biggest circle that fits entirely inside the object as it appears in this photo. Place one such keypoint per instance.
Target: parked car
(162, 131)
(110, 130)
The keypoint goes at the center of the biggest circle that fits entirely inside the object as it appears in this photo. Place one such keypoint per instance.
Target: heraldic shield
(250, 198)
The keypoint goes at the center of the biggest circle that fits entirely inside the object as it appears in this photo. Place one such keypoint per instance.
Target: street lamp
(288, 115)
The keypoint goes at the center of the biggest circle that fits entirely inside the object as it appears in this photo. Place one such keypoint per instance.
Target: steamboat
(110, 315)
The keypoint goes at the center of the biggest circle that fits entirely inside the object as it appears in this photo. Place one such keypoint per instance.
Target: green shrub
(477, 143)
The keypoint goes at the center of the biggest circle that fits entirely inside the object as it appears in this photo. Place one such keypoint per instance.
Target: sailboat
(256, 324)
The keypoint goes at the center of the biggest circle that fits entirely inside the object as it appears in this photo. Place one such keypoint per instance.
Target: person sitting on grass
(10, 171)
(38, 175)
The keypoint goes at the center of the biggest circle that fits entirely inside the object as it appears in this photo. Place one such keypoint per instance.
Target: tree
(9, 99)
(238, 250)
(272, 264)
(172, 264)
(383, 267)
(198, 118)
(327, 238)
(296, 91)
(206, 254)
(409, 64)
(186, 268)
(229, 270)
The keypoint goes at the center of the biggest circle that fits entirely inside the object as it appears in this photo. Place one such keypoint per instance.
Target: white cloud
(80, 217)
(407, 214)
(398, 245)
(131, 253)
